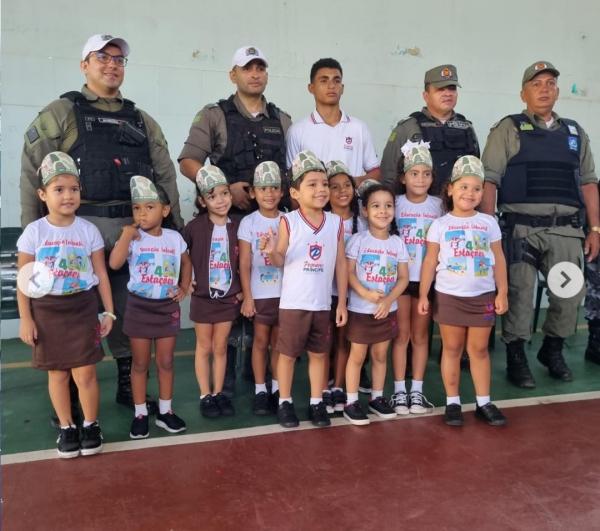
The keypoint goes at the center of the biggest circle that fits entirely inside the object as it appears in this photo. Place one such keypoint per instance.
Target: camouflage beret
(142, 189)
(304, 162)
(335, 167)
(417, 155)
(267, 174)
(365, 185)
(57, 163)
(467, 166)
(208, 177)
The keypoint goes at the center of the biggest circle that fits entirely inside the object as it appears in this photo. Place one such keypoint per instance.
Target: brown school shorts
(301, 330)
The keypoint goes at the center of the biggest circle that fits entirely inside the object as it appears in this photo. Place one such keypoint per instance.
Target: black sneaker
(274, 401)
(339, 399)
(261, 405)
(328, 402)
(381, 407)
(91, 439)
(224, 404)
(491, 414)
(139, 427)
(355, 414)
(317, 414)
(67, 444)
(419, 405)
(209, 408)
(286, 415)
(399, 402)
(453, 415)
(364, 385)
(170, 422)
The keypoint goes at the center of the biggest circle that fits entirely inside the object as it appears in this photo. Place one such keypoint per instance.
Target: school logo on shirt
(314, 251)
(348, 143)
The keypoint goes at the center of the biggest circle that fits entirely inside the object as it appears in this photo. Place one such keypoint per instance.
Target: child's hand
(130, 232)
(177, 294)
(106, 325)
(28, 332)
(341, 315)
(191, 287)
(267, 242)
(239, 296)
(501, 304)
(248, 309)
(423, 305)
(374, 295)
(383, 309)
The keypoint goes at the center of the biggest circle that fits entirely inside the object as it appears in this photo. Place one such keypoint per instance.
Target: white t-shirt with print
(413, 221)
(265, 278)
(376, 267)
(219, 265)
(155, 263)
(466, 262)
(64, 250)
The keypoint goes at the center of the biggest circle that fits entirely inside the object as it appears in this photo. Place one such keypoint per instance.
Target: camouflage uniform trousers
(592, 284)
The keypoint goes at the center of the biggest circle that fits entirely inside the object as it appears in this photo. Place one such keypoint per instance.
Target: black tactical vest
(250, 142)
(111, 147)
(448, 142)
(546, 168)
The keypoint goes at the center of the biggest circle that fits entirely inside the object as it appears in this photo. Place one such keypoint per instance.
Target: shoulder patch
(32, 134)
(392, 136)
(197, 118)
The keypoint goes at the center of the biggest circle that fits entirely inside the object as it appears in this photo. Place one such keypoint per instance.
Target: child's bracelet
(109, 314)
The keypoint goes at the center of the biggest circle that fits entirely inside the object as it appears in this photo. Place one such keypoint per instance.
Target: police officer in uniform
(239, 132)
(450, 134)
(236, 134)
(111, 140)
(540, 168)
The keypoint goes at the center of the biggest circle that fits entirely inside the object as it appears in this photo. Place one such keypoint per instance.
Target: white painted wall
(181, 53)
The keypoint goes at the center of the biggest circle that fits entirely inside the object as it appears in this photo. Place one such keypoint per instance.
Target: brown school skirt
(151, 318)
(464, 311)
(267, 311)
(68, 331)
(364, 329)
(211, 311)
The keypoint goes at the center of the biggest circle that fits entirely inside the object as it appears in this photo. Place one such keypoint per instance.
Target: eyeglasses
(106, 58)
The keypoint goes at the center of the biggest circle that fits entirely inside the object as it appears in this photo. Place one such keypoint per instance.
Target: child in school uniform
(464, 254)
(160, 273)
(215, 302)
(415, 211)
(378, 274)
(310, 247)
(61, 322)
(261, 282)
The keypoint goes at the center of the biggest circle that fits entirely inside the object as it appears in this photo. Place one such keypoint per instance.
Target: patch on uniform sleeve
(197, 118)
(32, 134)
(392, 137)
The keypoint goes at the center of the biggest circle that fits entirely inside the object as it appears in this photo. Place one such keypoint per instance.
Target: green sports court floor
(26, 407)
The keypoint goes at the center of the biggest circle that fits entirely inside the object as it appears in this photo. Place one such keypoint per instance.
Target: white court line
(123, 446)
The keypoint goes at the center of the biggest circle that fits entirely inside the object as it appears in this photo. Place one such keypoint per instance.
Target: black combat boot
(592, 352)
(124, 394)
(517, 369)
(550, 355)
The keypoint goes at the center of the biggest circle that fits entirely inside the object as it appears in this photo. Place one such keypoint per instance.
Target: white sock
(416, 385)
(376, 394)
(274, 386)
(282, 400)
(452, 400)
(141, 409)
(337, 389)
(399, 386)
(202, 396)
(260, 388)
(66, 427)
(87, 423)
(164, 406)
(315, 401)
(482, 400)
(326, 391)
(352, 397)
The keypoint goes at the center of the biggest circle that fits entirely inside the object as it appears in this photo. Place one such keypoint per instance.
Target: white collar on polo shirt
(316, 117)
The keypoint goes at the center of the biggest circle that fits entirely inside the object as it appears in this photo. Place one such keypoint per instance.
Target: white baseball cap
(99, 41)
(245, 54)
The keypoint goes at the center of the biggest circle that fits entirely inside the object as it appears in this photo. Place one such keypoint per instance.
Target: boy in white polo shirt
(328, 131)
